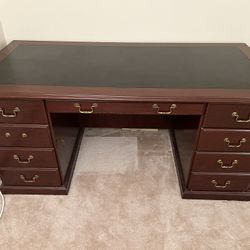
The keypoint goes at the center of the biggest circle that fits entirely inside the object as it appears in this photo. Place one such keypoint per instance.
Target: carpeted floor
(124, 195)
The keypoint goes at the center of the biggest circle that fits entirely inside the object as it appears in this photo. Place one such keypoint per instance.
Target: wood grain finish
(227, 116)
(215, 140)
(22, 111)
(216, 182)
(27, 158)
(122, 107)
(29, 91)
(221, 162)
(15, 135)
(30, 177)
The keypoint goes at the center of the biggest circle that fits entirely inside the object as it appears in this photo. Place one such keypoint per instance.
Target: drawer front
(227, 116)
(12, 111)
(25, 136)
(212, 182)
(224, 140)
(30, 177)
(124, 108)
(27, 158)
(221, 162)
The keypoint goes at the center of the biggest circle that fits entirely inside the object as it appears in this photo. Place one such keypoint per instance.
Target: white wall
(2, 37)
(127, 20)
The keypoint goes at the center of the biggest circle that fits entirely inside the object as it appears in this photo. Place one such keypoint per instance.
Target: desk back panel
(125, 121)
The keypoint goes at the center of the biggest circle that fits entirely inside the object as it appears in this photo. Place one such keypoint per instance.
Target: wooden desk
(50, 91)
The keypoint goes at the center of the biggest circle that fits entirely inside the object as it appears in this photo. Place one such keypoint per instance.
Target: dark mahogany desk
(50, 91)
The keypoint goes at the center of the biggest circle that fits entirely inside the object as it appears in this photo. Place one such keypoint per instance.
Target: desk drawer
(124, 108)
(216, 182)
(227, 116)
(12, 111)
(30, 177)
(224, 140)
(27, 158)
(221, 162)
(25, 136)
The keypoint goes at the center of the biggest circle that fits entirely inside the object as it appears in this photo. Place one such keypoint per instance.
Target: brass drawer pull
(171, 109)
(34, 178)
(234, 163)
(227, 183)
(7, 135)
(13, 115)
(16, 157)
(23, 135)
(78, 105)
(236, 116)
(242, 140)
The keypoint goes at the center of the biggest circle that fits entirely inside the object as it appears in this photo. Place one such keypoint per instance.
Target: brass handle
(236, 116)
(7, 135)
(171, 109)
(34, 178)
(13, 115)
(221, 186)
(24, 135)
(242, 140)
(93, 106)
(16, 157)
(234, 162)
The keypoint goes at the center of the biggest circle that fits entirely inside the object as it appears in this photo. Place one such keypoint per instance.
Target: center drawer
(89, 107)
(12, 135)
(224, 140)
(27, 158)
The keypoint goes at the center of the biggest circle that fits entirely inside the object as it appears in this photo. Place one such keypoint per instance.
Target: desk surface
(127, 65)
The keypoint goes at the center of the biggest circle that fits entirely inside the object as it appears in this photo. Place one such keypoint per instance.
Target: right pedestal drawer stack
(222, 159)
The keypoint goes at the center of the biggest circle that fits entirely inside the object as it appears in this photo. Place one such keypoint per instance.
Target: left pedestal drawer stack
(27, 155)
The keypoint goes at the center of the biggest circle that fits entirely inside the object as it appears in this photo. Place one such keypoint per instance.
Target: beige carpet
(124, 195)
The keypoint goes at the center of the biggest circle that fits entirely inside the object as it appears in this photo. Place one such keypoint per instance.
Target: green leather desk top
(127, 66)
